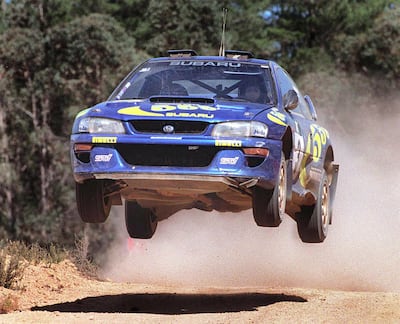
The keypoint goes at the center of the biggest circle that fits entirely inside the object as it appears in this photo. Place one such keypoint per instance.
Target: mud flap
(289, 179)
(332, 188)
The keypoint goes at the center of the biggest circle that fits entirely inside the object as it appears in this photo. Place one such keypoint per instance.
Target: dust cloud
(361, 253)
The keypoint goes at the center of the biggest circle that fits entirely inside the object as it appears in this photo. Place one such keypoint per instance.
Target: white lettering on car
(103, 157)
(204, 63)
(230, 161)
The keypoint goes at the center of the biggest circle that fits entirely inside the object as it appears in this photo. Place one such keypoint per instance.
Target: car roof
(212, 58)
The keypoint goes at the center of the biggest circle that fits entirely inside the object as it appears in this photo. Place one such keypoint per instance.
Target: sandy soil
(60, 294)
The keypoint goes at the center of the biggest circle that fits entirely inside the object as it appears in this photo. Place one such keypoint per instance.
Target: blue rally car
(225, 133)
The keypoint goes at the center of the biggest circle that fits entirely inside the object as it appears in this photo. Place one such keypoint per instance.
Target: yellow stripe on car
(136, 111)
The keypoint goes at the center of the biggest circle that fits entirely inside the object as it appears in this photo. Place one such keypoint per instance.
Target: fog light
(258, 151)
(82, 147)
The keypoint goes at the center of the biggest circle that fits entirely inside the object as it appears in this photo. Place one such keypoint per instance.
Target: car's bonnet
(217, 111)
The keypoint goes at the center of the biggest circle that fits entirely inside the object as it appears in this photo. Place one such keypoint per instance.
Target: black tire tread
(92, 207)
(140, 222)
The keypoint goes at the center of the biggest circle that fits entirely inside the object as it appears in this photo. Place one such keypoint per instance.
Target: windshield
(198, 79)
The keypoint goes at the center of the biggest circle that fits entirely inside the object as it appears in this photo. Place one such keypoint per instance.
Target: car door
(301, 123)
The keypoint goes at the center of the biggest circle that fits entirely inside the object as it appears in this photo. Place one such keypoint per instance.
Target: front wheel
(140, 222)
(313, 221)
(269, 205)
(93, 205)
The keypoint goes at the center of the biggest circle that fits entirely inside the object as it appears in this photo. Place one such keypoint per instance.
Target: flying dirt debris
(225, 133)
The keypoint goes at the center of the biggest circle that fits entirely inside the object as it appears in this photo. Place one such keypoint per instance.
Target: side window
(286, 83)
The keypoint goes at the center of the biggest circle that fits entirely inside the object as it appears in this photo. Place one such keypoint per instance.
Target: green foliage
(44, 67)
(180, 24)
(380, 51)
(374, 50)
(246, 27)
(84, 51)
(317, 26)
(36, 14)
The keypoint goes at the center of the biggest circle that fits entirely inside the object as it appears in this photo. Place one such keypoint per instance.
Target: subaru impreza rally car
(226, 133)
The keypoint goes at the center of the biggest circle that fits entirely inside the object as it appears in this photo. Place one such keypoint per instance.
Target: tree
(309, 30)
(246, 27)
(380, 52)
(49, 68)
(180, 24)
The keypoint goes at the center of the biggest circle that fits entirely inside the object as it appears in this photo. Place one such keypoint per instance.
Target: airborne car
(226, 133)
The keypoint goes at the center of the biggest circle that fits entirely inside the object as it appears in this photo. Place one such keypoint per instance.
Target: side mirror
(290, 100)
(311, 107)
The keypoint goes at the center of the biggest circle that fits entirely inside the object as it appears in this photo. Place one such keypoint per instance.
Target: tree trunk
(7, 187)
(40, 131)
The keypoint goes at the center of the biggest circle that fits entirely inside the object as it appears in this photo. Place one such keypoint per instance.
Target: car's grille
(167, 155)
(179, 126)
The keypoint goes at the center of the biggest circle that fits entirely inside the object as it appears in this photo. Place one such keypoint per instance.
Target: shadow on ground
(171, 304)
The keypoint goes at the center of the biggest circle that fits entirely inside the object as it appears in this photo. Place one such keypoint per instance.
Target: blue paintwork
(308, 150)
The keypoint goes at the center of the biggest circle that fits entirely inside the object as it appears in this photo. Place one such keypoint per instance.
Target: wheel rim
(282, 189)
(325, 207)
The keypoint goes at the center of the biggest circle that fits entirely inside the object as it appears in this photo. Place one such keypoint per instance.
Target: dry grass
(79, 257)
(8, 304)
(16, 256)
(12, 268)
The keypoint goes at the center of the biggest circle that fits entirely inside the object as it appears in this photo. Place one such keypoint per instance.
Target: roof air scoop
(180, 99)
(182, 53)
(238, 54)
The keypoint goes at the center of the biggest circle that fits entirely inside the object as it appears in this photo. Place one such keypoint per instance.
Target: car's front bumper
(228, 166)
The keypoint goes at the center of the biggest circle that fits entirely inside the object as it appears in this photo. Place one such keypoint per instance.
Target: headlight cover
(240, 129)
(97, 125)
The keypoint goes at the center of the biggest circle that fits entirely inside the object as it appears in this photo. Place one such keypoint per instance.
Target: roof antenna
(222, 46)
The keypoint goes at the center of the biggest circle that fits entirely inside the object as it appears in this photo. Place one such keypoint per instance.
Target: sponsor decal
(123, 90)
(83, 112)
(103, 157)
(205, 63)
(319, 137)
(165, 110)
(276, 117)
(185, 107)
(104, 140)
(229, 161)
(313, 149)
(189, 115)
(136, 111)
(229, 143)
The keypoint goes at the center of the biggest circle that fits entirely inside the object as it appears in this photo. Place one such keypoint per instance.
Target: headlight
(95, 125)
(240, 129)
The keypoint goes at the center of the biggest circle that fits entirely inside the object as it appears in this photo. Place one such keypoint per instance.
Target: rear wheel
(269, 205)
(140, 222)
(313, 221)
(93, 205)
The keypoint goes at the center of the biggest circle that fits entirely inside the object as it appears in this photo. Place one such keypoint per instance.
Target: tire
(269, 205)
(313, 221)
(140, 222)
(93, 206)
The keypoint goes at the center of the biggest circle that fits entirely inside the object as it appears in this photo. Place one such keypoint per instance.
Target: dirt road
(60, 294)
